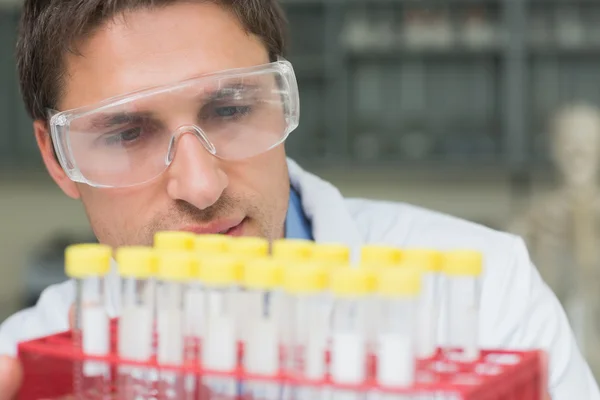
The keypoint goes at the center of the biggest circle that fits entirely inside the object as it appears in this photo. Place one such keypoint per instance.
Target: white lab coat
(517, 309)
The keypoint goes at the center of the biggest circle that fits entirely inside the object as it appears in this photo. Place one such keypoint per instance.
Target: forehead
(150, 47)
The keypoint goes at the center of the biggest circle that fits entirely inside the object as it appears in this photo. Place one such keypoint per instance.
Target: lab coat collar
(325, 207)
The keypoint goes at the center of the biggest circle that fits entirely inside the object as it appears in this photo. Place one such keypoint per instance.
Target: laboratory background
(488, 110)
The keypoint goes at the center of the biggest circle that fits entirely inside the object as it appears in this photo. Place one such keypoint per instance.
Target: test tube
(462, 269)
(174, 271)
(204, 246)
(208, 243)
(249, 247)
(305, 285)
(220, 276)
(88, 264)
(379, 255)
(292, 249)
(430, 263)
(351, 288)
(174, 240)
(263, 333)
(135, 338)
(398, 290)
(372, 258)
(246, 248)
(331, 253)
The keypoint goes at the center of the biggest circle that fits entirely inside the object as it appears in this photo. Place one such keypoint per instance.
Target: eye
(130, 134)
(124, 137)
(230, 111)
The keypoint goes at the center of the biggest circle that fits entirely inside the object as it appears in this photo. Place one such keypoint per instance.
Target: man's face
(198, 192)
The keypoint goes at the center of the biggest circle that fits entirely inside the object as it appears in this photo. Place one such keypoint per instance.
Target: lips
(229, 227)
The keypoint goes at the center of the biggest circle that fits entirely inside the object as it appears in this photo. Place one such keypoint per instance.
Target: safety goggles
(131, 139)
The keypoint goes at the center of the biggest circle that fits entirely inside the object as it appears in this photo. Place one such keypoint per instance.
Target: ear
(44, 142)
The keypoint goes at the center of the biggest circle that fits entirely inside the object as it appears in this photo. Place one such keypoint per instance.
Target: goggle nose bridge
(194, 130)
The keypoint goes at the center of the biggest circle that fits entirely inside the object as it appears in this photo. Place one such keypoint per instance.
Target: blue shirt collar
(297, 226)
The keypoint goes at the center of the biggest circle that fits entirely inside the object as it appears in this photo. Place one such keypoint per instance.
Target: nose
(194, 175)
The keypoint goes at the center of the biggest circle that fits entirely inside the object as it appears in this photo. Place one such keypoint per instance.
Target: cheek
(116, 217)
(267, 175)
(264, 179)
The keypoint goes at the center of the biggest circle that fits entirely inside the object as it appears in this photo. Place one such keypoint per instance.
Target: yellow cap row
(95, 258)
(459, 262)
(263, 273)
(252, 246)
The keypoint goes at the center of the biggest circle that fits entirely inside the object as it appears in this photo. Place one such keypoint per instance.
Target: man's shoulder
(48, 316)
(404, 224)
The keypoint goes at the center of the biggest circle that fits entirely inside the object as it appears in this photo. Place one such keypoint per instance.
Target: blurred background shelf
(448, 82)
(442, 103)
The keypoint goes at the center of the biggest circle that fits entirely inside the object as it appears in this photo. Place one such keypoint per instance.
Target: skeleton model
(561, 228)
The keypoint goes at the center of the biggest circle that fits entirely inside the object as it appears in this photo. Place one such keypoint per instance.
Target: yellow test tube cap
(175, 265)
(305, 277)
(249, 247)
(87, 260)
(174, 240)
(399, 282)
(262, 273)
(351, 282)
(331, 253)
(427, 260)
(462, 263)
(220, 269)
(212, 243)
(292, 249)
(137, 261)
(380, 255)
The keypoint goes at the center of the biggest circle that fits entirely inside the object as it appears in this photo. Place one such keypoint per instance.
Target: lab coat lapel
(325, 207)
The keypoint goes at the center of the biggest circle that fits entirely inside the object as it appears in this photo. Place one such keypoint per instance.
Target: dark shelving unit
(402, 96)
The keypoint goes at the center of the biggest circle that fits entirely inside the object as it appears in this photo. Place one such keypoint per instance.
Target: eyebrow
(108, 119)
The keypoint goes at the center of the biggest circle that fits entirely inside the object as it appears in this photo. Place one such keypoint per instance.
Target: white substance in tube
(194, 307)
(220, 352)
(95, 340)
(463, 319)
(426, 343)
(348, 363)
(470, 346)
(170, 337)
(135, 333)
(315, 353)
(427, 317)
(396, 367)
(263, 348)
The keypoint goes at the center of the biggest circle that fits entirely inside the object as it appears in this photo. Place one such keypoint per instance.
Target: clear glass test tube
(306, 348)
(263, 333)
(88, 264)
(220, 276)
(137, 266)
(348, 365)
(430, 263)
(194, 331)
(174, 273)
(462, 270)
(246, 248)
(374, 257)
(398, 290)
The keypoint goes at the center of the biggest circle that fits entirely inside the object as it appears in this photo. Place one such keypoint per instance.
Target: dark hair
(52, 27)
